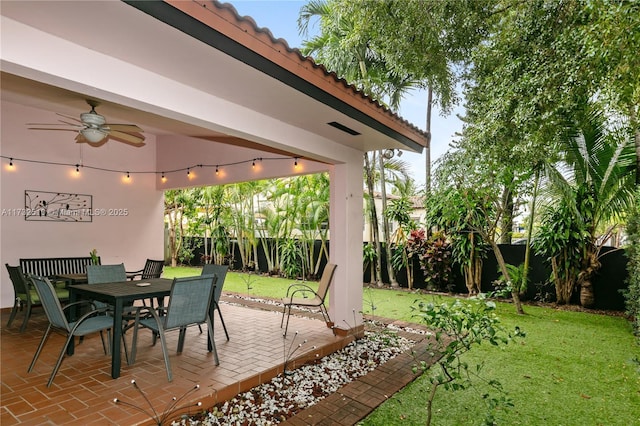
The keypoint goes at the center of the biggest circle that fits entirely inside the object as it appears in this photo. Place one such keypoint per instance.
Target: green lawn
(573, 368)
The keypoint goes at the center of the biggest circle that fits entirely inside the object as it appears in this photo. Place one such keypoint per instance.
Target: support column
(346, 227)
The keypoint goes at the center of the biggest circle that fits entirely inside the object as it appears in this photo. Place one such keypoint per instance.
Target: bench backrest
(49, 267)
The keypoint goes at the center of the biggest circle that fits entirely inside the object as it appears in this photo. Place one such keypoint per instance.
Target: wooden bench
(54, 266)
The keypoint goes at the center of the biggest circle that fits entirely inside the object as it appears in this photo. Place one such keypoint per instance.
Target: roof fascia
(187, 24)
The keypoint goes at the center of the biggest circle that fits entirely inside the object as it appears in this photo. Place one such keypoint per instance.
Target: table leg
(210, 347)
(73, 315)
(116, 359)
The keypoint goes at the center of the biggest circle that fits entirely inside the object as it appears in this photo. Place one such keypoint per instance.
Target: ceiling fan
(93, 128)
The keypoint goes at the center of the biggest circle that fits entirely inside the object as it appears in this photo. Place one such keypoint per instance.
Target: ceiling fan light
(93, 135)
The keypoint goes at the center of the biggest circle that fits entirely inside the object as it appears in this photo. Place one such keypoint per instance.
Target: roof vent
(343, 128)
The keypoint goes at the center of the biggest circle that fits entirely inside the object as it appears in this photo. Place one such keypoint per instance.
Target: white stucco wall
(129, 237)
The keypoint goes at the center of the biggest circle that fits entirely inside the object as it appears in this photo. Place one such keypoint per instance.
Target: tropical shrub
(290, 258)
(515, 282)
(560, 239)
(434, 256)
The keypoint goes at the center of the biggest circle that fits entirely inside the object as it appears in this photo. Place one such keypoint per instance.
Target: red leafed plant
(434, 255)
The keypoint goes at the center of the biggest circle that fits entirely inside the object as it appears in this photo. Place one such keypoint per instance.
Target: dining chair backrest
(325, 280)
(19, 281)
(189, 301)
(50, 302)
(152, 269)
(98, 274)
(220, 272)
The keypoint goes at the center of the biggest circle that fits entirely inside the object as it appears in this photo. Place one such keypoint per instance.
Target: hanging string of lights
(162, 173)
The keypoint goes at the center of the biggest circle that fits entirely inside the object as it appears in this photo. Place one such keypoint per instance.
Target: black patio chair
(220, 272)
(189, 304)
(88, 323)
(26, 295)
(152, 269)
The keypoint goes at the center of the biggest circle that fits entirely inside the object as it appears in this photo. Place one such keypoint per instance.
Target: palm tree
(590, 190)
(361, 66)
(242, 198)
(179, 204)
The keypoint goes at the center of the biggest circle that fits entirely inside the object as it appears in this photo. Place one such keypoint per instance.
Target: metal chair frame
(90, 322)
(25, 294)
(189, 304)
(316, 301)
(221, 273)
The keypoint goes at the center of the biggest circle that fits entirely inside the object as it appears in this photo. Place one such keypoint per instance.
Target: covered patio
(219, 101)
(83, 390)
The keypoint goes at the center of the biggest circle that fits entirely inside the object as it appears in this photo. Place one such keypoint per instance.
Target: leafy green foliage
(290, 259)
(515, 282)
(590, 188)
(459, 327)
(560, 238)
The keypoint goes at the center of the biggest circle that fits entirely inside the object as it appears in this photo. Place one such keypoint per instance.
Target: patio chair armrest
(299, 288)
(148, 313)
(80, 302)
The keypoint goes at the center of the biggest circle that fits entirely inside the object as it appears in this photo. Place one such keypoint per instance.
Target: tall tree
(359, 65)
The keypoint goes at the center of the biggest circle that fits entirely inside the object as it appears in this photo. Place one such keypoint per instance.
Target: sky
(281, 18)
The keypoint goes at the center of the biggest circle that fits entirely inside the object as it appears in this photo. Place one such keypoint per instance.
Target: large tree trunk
(385, 223)
(507, 216)
(591, 264)
(527, 250)
(473, 270)
(427, 166)
(515, 295)
(373, 215)
(564, 287)
(633, 115)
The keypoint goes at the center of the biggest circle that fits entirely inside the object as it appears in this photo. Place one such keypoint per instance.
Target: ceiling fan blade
(133, 139)
(53, 124)
(129, 128)
(69, 117)
(79, 126)
(52, 128)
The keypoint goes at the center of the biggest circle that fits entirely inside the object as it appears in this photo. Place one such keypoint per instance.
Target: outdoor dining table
(119, 294)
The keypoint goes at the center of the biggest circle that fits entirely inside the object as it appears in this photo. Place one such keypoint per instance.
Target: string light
(295, 163)
(163, 174)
